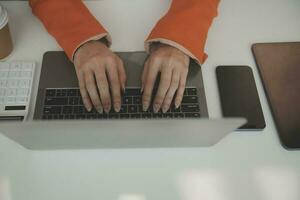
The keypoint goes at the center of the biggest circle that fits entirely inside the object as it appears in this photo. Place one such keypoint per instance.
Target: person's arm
(78, 32)
(69, 22)
(185, 27)
(177, 37)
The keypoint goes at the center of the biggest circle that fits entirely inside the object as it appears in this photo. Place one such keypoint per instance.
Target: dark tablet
(279, 67)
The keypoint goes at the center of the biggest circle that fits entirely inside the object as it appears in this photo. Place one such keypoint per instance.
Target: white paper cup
(6, 45)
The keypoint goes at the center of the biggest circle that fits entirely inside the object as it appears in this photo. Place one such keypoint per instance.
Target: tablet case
(279, 68)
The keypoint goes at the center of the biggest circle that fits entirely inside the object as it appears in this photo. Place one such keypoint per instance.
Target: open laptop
(59, 96)
(61, 122)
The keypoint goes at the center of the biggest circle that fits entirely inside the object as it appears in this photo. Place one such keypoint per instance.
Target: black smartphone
(239, 96)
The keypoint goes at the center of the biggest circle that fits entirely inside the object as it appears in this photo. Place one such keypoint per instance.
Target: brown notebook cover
(279, 67)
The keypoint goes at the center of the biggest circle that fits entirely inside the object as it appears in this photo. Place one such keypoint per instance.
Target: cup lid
(3, 17)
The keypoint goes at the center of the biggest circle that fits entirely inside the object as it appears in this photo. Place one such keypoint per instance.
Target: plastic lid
(3, 17)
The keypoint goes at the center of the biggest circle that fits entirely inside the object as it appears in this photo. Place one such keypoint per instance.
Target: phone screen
(239, 96)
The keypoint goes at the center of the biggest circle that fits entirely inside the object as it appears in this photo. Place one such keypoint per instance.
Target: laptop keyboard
(66, 104)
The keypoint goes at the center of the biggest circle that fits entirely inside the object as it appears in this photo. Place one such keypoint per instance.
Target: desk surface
(245, 165)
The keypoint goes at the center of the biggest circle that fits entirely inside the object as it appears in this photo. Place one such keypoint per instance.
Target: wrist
(167, 48)
(90, 47)
(156, 45)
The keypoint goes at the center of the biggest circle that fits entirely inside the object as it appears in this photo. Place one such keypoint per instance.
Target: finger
(84, 94)
(115, 85)
(164, 84)
(150, 78)
(145, 71)
(90, 84)
(122, 74)
(172, 90)
(181, 88)
(103, 88)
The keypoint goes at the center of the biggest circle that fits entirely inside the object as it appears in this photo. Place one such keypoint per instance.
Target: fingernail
(177, 104)
(117, 107)
(145, 106)
(107, 108)
(89, 109)
(100, 110)
(123, 87)
(165, 109)
(156, 108)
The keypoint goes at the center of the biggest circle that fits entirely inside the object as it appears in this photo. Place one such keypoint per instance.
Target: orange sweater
(185, 26)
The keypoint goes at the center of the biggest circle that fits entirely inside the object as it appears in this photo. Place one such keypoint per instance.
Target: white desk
(248, 165)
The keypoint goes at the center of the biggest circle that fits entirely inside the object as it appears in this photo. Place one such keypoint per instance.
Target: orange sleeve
(185, 26)
(69, 22)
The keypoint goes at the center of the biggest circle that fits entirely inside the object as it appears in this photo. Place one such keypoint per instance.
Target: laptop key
(192, 115)
(132, 92)
(113, 116)
(93, 116)
(72, 92)
(178, 115)
(124, 116)
(56, 101)
(52, 110)
(127, 100)
(102, 116)
(82, 116)
(169, 115)
(146, 115)
(137, 99)
(132, 108)
(191, 91)
(50, 93)
(135, 116)
(175, 110)
(73, 101)
(80, 101)
(189, 99)
(81, 109)
(98, 116)
(123, 109)
(190, 108)
(61, 93)
(67, 109)
(156, 115)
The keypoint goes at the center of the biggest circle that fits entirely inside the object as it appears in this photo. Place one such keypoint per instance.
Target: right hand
(98, 70)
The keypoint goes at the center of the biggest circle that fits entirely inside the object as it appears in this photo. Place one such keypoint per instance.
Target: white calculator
(16, 80)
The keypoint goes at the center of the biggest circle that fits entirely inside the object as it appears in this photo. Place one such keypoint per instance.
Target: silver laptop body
(58, 72)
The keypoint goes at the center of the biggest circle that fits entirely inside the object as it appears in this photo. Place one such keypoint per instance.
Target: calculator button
(4, 67)
(22, 92)
(3, 74)
(21, 99)
(11, 100)
(11, 92)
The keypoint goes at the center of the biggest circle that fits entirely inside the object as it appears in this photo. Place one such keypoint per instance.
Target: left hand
(173, 65)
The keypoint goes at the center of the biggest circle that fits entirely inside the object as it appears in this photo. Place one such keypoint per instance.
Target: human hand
(173, 65)
(98, 70)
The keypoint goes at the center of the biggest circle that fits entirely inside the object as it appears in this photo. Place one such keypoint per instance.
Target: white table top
(245, 165)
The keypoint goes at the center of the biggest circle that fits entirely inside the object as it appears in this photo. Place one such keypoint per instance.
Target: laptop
(59, 97)
(61, 122)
